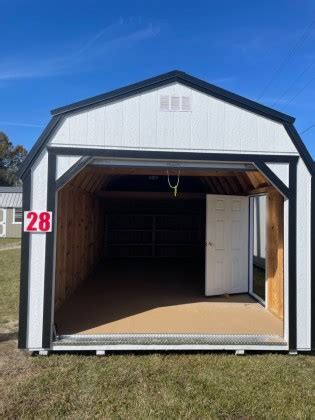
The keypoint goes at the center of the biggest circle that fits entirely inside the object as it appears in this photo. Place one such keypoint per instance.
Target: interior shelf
(155, 235)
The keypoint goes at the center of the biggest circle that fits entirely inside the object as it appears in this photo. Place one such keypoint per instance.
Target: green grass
(9, 287)
(4, 242)
(162, 386)
(145, 385)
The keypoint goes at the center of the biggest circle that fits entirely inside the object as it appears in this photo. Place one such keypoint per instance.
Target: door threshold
(258, 298)
(169, 339)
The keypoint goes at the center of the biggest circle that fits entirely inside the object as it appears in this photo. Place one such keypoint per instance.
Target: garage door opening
(131, 258)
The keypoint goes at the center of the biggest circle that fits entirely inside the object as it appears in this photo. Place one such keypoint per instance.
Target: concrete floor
(159, 297)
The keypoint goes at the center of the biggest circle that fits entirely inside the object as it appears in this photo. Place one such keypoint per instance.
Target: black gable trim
(298, 143)
(120, 93)
(38, 146)
(185, 79)
(162, 80)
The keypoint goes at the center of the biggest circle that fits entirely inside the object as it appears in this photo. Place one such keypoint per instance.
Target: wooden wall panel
(275, 254)
(62, 246)
(80, 239)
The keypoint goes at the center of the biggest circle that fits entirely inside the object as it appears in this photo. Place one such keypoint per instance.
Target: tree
(10, 159)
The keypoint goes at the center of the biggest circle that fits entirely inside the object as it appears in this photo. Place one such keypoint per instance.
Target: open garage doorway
(133, 258)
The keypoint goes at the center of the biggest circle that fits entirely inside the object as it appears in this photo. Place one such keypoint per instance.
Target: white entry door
(3, 223)
(227, 243)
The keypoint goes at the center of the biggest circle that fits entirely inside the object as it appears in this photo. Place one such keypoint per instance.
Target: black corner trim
(292, 289)
(300, 146)
(71, 172)
(273, 178)
(290, 193)
(49, 256)
(24, 276)
(149, 154)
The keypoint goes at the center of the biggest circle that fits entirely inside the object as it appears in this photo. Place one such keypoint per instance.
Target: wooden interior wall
(275, 254)
(80, 235)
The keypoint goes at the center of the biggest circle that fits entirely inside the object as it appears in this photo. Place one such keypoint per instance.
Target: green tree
(10, 159)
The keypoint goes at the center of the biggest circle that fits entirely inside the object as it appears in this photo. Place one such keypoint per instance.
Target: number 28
(38, 221)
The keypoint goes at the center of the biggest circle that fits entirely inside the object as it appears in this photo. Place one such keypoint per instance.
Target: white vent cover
(164, 103)
(186, 103)
(175, 103)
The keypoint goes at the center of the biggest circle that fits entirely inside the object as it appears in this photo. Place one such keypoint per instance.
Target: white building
(10, 212)
(127, 264)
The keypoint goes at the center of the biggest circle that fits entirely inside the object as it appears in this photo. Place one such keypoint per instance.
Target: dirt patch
(6, 248)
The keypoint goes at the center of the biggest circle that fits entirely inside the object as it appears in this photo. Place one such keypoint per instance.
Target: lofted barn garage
(177, 211)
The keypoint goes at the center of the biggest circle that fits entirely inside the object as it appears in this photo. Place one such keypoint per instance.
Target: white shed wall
(137, 123)
(37, 255)
(281, 170)
(303, 241)
(63, 163)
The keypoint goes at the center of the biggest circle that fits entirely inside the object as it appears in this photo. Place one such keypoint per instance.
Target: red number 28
(43, 218)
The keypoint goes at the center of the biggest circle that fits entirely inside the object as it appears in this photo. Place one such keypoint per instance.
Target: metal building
(152, 239)
(10, 212)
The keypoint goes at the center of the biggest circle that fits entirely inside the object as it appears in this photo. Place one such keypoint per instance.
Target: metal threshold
(168, 339)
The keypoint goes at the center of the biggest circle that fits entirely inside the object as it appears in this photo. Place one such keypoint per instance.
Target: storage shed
(180, 219)
(10, 212)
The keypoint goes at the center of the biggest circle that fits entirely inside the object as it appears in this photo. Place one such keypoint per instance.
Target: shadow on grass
(8, 336)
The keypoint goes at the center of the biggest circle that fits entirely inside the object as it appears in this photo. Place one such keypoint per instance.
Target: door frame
(4, 223)
(251, 254)
(258, 160)
(246, 222)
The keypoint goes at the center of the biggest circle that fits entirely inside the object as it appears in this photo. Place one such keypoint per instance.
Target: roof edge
(181, 77)
(116, 93)
(300, 146)
(37, 147)
(173, 76)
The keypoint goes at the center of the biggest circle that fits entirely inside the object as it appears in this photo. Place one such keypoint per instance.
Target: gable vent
(164, 103)
(186, 103)
(175, 103)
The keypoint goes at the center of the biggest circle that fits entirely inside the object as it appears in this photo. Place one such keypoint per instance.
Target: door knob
(210, 243)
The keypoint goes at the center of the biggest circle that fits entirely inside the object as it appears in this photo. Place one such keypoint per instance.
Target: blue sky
(54, 53)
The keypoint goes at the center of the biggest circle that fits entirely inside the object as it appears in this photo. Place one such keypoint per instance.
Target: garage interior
(130, 256)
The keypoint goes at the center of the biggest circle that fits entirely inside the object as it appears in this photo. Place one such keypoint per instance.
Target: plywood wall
(275, 253)
(80, 231)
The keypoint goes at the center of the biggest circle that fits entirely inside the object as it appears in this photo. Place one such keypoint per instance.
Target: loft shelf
(154, 235)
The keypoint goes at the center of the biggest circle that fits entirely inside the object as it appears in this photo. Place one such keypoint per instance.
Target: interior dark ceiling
(98, 181)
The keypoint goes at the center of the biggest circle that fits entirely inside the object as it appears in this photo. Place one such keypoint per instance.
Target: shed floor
(159, 297)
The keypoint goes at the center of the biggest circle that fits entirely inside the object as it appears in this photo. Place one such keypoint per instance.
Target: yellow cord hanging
(174, 187)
